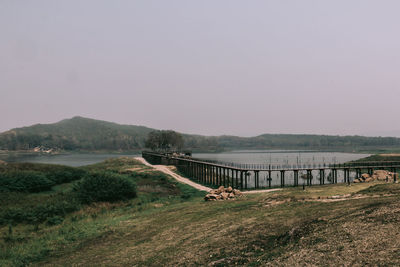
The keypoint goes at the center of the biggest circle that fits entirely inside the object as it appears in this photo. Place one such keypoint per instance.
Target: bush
(58, 206)
(104, 186)
(24, 181)
(65, 175)
(55, 220)
(56, 173)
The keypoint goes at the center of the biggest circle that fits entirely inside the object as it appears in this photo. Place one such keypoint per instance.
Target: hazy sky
(207, 67)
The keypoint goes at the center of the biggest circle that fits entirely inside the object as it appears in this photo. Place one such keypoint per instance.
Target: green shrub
(56, 173)
(24, 181)
(104, 186)
(55, 220)
(60, 205)
(65, 175)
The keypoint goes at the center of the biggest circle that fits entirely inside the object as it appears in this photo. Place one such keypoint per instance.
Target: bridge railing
(217, 173)
(287, 166)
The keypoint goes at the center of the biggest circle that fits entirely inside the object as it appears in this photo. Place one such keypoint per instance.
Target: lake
(242, 156)
(273, 157)
(284, 157)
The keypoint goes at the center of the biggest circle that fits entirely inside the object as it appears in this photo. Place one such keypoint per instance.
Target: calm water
(280, 157)
(245, 157)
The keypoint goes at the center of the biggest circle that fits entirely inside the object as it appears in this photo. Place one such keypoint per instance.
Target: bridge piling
(230, 174)
(241, 180)
(309, 177)
(296, 177)
(321, 176)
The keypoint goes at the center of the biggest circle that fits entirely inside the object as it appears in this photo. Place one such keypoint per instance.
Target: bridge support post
(205, 166)
(334, 176)
(198, 171)
(212, 175)
(221, 177)
(256, 180)
(198, 167)
(217, 176)
(228, 178)
(224, 175)
(208, 174)
(309, 175)
(269, 178)
(346, 176)
(237, 179)
(241, 180)
(282, 178)
(321, 176)
(296, 177)
(201, 172)
(204, 173)
(359, 173)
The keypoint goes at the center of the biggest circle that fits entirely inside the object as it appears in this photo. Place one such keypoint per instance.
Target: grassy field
(169, 224)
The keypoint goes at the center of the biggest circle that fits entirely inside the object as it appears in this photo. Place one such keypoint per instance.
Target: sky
(206, 67)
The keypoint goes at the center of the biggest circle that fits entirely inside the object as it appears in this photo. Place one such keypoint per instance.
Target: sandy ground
(166, 170)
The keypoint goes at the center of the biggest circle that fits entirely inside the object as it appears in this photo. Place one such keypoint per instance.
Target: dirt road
(164, 169)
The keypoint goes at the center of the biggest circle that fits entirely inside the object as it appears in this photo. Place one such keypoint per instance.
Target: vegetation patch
(104, 186)
(387, 188)
(169, 224)
(24, 181)
(82, 207)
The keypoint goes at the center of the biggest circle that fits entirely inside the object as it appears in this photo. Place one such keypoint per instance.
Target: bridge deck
(241, 175)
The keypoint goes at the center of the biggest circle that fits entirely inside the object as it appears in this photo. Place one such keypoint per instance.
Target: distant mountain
(77, 133)
(83, 134)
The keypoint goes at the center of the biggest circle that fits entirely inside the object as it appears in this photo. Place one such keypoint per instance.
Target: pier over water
(256, 176)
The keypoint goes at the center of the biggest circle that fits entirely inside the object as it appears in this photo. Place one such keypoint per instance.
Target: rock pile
(379, 175)
(222, 193)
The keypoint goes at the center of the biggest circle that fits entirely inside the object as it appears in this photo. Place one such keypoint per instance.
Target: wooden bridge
(245, 176)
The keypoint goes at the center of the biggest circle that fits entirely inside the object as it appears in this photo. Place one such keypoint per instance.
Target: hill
(169, 224)
(77, 133)
(86, 134)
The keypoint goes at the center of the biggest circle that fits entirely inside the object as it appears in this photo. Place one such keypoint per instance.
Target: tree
(153, 140)
(164, 140)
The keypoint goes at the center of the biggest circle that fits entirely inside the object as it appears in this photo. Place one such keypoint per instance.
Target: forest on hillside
(82, 134)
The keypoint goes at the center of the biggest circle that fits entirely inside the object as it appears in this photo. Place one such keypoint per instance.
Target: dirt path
(166, 170)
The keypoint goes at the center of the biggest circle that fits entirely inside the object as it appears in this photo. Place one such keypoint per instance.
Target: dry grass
(359, 231)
